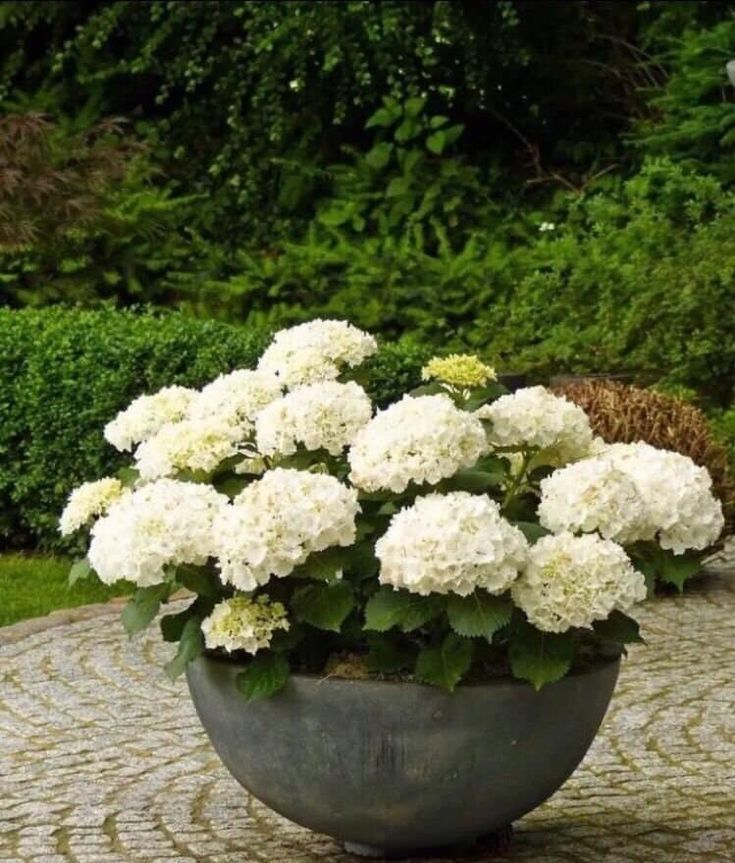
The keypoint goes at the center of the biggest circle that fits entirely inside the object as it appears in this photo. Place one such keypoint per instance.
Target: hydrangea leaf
(446, 664)
(619, 628)
(532, 531)
(191, 645)
(143, 607)
(80, 569)
(198, 580)
(479, 614)
(324, 606)
(473, 480)
(389, 655)
(387, 608)
(322, 566)
(266, 675)
(540, 657)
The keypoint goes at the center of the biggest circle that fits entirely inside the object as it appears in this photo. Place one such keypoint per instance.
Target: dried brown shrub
(620, 413)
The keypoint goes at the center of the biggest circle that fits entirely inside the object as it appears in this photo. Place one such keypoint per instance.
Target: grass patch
(34, 585)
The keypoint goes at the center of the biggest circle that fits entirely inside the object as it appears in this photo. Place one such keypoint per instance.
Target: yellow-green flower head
(242, 623)
(458, 370)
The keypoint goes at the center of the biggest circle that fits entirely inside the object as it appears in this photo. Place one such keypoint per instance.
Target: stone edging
(63, 617)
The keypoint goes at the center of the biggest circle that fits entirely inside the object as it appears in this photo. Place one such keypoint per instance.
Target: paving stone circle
(102, 760)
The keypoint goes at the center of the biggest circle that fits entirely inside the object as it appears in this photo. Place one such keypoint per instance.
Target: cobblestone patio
(101, 759)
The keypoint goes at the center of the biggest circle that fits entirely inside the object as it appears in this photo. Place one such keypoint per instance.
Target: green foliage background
(549, 184)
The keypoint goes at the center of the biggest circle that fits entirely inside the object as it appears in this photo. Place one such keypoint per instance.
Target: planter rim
(504, 681)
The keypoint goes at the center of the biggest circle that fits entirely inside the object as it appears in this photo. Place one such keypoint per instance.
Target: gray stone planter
(395, 767)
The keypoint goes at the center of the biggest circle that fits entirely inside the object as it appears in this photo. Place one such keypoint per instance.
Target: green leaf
(191, 645)
(322, 566)
(387, 608)
(143, 607)
(80, 569)
(619, 628)
(436, 142)
(128, 476)
(473, 480)
(379, 156)
(407, 130)
(266, 675)
(198, 580)
(324, 606)
(540, 657)
(360, 560)
(479, 614)
(532, 531)
(397, 187)
(172, 625)
(389, 655)
(446, 664)
(384, 117)
(437, 121)
(414, 106)
(677, 568)
(432, 389)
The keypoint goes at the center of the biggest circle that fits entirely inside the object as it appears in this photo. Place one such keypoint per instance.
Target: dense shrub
(637, 278)
(64, 373)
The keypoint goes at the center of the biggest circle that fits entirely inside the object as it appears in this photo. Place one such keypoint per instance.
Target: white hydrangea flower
(535, 417)
(90, 500)
(276, 522)
(188, 445)
(325, 415)
(242, 623)
(418, 439)
(451, 543)
(235, 398)
(593, 494)
(680, 509)
(146, 415)
(572, 581)
(316, 351)
(160, 524)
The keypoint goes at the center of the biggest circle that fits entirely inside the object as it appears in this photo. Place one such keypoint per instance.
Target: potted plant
(404, 627)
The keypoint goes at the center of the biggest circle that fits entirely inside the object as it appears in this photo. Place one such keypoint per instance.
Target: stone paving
(102, 759)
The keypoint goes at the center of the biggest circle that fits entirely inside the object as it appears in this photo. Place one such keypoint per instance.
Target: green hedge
(64, 373)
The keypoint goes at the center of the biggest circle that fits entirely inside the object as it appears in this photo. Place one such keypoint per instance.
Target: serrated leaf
(540, 657)
(322, 566)
(191, 645)
(324, 606)
(79, 570)
(676, 569)
(473, 480)
(360, 560)
(446, 664)
(198, 580)
(143, 607)
(479, 614)
(266, 675)
(619, 628)
(387, 608)
(532, 531)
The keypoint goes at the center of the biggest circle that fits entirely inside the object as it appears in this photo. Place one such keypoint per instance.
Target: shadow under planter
(391, 768)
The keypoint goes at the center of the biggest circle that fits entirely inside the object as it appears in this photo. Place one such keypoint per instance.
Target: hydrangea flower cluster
(146, 415)
(316, 351)
(242, 623)
(634, 492)
(278, 521)
(162, 524)
(572, 581)
(90, 500)
(420, 439)
(458, 370)
(326, 416)
(451, 543)
(534, 418)
(288, 506)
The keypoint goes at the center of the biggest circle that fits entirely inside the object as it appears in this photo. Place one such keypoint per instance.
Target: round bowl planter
(391, 768)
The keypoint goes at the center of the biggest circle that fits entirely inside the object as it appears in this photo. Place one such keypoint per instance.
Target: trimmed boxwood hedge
(65, 372)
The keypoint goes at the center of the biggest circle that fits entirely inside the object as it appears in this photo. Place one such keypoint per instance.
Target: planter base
(494, 843)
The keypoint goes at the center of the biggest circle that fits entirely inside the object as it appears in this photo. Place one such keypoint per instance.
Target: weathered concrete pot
(393, 767)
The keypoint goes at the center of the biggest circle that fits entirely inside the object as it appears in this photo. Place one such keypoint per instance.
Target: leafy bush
(626, 414)
(64, 373)
(637, 278)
